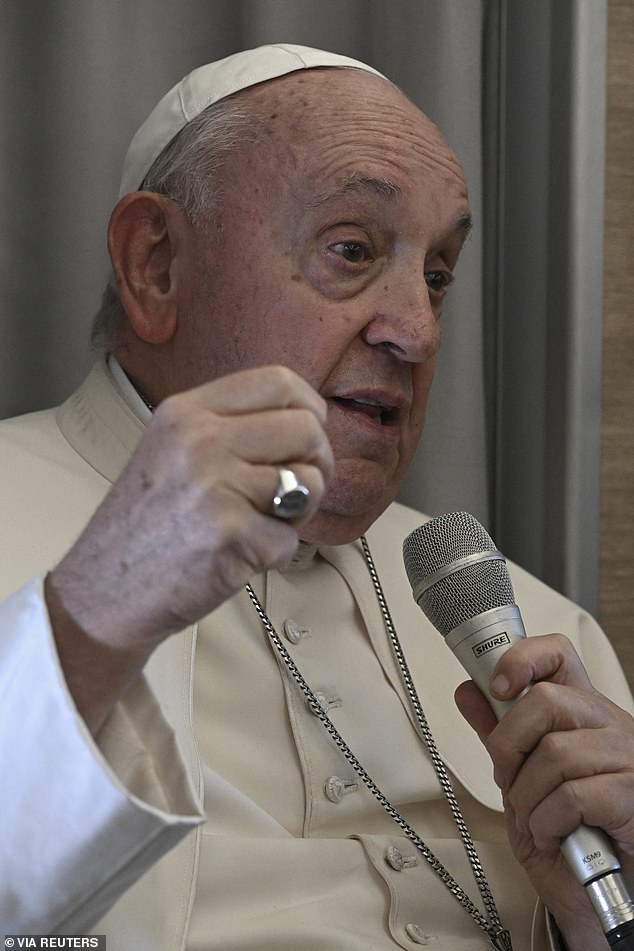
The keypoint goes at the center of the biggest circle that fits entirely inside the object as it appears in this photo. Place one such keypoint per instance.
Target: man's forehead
(350, 136)
(320, 111)
(359, 184)
(333, 96)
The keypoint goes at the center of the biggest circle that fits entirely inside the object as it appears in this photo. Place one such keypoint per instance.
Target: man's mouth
(376, 410)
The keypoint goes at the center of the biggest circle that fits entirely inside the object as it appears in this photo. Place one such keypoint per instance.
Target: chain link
(498, 935)
(425, 732)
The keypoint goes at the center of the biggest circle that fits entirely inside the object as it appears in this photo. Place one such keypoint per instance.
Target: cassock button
(294, 631)
(335, 788)
(325, 703)
(416, 934)
(396, 860)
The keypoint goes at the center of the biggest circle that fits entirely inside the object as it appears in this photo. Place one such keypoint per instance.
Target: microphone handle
(478, 644)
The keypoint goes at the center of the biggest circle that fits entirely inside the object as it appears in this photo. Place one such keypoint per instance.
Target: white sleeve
(78, 825)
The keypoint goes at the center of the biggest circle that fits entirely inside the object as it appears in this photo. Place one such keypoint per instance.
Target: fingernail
(500, 686)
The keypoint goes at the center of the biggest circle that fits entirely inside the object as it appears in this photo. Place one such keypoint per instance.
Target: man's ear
(142, 248)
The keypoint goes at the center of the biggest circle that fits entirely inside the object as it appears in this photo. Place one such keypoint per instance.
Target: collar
(127, 390)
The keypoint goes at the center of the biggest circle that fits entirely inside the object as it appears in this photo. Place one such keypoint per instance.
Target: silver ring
(291, 497)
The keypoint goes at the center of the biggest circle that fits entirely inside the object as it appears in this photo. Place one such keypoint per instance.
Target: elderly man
(287, 232)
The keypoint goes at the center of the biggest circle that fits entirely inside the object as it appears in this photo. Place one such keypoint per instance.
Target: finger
(593, 800)
(264, 483)
(563, 757)
(279, 437)
(209, 439)
(546, 708)
(475, 708)
(273, 387)
(548, 657)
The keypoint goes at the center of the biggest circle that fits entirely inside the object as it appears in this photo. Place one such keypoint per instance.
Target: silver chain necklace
(498, 935)
(490, 922)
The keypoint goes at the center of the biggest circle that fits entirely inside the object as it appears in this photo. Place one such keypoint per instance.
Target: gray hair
(187, 171)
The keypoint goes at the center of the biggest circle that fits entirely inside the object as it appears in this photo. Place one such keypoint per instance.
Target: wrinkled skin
(563, 755)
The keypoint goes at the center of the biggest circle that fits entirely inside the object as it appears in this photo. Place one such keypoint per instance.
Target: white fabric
(326, 869)
(127, 390)
(211, 83)
(73, 835)
(279, 864)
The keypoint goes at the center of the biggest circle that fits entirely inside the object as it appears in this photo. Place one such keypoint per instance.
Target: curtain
(79, 76)
(545, 299)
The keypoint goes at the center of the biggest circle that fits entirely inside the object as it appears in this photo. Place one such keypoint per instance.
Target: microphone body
(461, 583)
(479, 642)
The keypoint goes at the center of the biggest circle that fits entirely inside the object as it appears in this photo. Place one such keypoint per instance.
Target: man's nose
(405, 322)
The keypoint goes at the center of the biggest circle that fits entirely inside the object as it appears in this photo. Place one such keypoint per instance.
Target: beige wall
(617, 508)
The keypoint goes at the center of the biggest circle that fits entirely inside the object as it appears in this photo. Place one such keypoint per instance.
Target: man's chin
(328, 529)
(341, 524)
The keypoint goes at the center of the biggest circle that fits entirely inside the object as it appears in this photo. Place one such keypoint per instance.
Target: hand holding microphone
(461, 583)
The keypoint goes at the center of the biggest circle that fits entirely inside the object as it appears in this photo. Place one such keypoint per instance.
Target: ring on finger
(291, 497)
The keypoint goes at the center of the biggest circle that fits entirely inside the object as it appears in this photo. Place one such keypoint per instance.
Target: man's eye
(351, 250)
(438, 281)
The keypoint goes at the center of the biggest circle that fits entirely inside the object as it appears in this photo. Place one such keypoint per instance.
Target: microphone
(460, 581)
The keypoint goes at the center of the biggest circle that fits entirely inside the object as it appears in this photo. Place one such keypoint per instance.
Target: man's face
(340, 229)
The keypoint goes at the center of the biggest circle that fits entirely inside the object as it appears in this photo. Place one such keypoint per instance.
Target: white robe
(276, 863)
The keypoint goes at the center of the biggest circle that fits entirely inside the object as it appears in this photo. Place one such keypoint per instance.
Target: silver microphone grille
(469, 590)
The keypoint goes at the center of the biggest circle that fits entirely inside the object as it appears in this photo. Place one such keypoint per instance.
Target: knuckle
(569, 799)
(284, 379)
(553, 747)
(563, 644)
(544, 693)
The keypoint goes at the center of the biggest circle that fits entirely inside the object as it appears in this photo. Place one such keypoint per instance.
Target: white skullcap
(209, 84)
